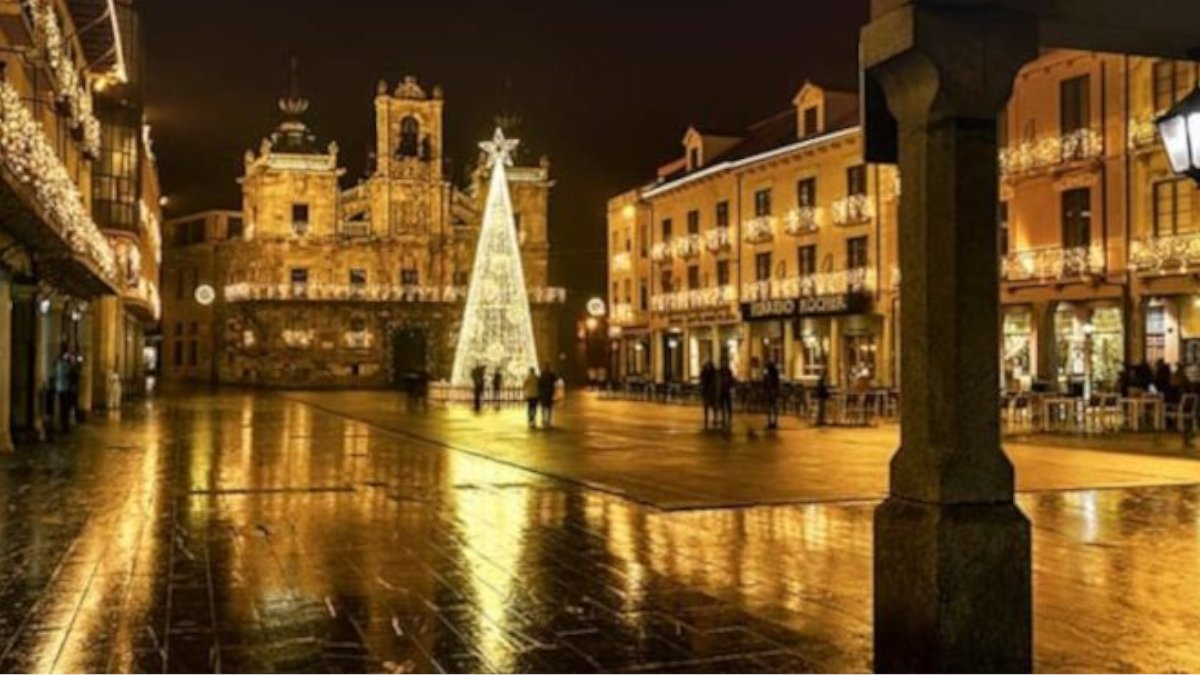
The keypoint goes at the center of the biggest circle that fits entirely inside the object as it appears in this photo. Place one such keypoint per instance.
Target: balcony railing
(718, 239)
(315, 292)
(622, 262)
(758, 230)
(1166, 255)
(802, 220)
(687, 246)
(858, 280)
(853, 209)
(29, 156)
(701, 298)
(1052, 264)
(1050, 151)
(661, 251)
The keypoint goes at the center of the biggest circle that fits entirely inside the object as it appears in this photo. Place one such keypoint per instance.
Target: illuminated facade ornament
(497, 329)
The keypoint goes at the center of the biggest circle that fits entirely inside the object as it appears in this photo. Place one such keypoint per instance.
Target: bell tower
(408, 125)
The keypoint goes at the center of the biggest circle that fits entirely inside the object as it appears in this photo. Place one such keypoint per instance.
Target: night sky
(606, 89)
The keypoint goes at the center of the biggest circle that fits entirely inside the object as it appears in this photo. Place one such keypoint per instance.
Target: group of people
(62, 396)
(1169, 380)
(479, 381)
(542, 391)
(716, 392)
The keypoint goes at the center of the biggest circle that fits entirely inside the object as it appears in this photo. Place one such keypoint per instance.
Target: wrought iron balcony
(687, 246)
(758, 230)
(1170, 254)
(718, 239)
(802, 220)
(1052, 264)
(853, 209)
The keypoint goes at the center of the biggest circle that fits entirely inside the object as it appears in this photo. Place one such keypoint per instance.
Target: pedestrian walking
(772, 386)
(529, 389)
(62, 390)
(547, 383)
(708, 392)
(497, 385)
(822, 399)
(74, 374)
(725, 384)
(478, 374)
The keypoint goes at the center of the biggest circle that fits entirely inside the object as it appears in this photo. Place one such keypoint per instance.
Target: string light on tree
(497, 330)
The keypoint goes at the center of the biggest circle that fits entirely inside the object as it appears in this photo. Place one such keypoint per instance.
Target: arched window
(410, 133)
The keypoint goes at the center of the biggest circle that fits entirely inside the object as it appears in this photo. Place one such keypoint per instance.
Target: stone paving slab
(659, 455)
(198, 534)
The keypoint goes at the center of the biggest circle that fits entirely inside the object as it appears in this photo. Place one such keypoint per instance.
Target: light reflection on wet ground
(242, 532)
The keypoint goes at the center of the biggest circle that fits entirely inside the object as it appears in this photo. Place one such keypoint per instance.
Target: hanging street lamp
(1179, 129)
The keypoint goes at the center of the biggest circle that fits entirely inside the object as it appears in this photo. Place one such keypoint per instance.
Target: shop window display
(1018, 340)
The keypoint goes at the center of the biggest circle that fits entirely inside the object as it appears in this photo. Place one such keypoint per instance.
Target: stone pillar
(833, 360)
(658, 370)
(952, 551)
(6, 358)
(789, 350)
(106, 334)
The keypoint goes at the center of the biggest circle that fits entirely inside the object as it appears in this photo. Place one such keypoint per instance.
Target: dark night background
(605, 89)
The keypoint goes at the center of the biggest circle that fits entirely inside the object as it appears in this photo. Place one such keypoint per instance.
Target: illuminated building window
(115, 178)
(1076, 218)
(762, 202)
(806, 192)
(1172, 207)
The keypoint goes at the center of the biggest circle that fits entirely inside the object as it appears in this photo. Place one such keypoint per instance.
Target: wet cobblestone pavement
(240, 532)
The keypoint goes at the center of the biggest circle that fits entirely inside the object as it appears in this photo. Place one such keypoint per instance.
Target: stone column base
(952, 588)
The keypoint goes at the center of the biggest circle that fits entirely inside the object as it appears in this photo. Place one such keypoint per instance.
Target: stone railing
(702, 298)
(622, 262)
(1050, 151)
(687, 246)
(1052, 263)
(1165, 255)
(758, 230)
(661, 251)
(802, 220)
(858, 280)
(718, 239)
(28, 155)
(317, 292)
(853, 209)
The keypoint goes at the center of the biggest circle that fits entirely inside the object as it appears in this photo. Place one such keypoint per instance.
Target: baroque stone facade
(316, 286)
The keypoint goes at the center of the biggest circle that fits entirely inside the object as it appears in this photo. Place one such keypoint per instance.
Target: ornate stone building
(320, 286)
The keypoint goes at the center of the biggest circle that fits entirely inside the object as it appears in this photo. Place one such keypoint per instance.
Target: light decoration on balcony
(1142, 131)
(358, 339)
(1052, 264)
(802, 220)
(70, 85)
(661, 251)
(622, 313)
(298, 338)
(687, 246)
(853, 209)
(27, 153)
(497, 328)
(1165, 255)
(152, 228)
(318, 292)
(622, 262)
(701, 298)
(718, 239)
(857, 280)
(759, 229)
(1077, 145)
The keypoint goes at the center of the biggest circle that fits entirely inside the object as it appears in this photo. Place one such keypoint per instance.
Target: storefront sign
(817, 305)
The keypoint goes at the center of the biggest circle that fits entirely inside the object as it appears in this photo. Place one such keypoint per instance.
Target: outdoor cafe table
(1139, 408)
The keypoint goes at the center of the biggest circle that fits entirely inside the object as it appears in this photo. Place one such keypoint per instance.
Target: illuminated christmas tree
(497, 331)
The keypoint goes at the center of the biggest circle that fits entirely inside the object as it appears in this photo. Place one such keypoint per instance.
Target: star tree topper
(499, 149)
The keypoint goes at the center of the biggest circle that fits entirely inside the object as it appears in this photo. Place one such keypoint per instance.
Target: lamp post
(1179, 129)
